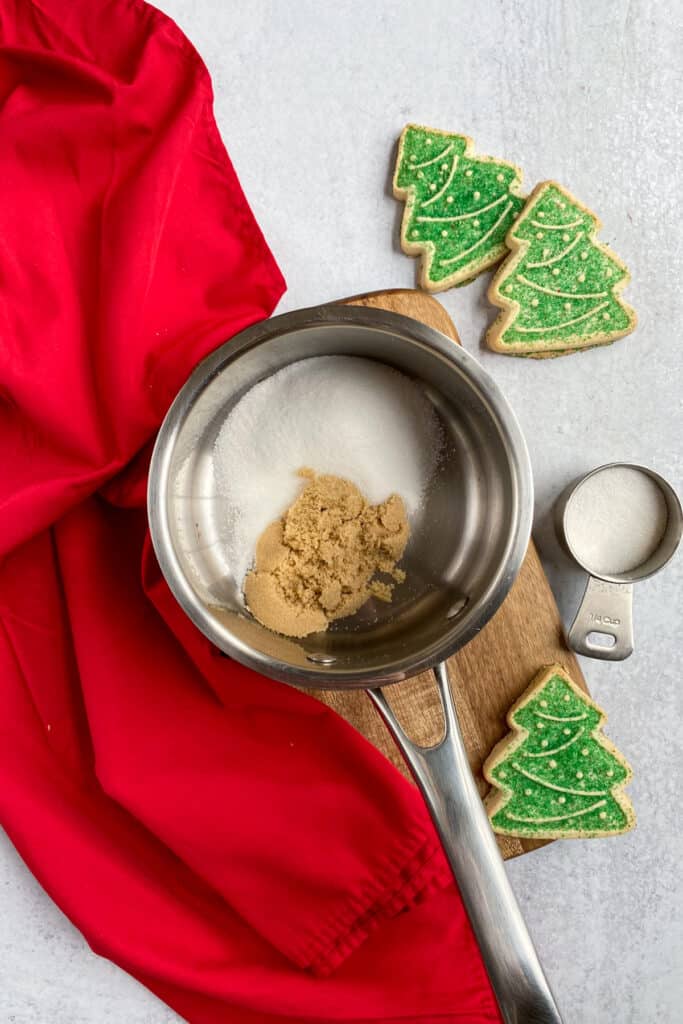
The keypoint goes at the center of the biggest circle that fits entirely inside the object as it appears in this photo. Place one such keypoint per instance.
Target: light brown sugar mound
(319, 561)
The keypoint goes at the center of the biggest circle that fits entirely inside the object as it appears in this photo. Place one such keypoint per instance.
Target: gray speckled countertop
(310, 97)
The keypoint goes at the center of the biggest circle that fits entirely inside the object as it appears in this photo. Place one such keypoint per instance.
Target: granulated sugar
(616, 519)
(346, 416)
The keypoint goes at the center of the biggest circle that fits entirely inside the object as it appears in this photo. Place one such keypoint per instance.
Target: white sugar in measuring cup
(621, 523)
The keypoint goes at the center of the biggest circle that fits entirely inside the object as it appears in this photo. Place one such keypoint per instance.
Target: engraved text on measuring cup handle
(603, 627)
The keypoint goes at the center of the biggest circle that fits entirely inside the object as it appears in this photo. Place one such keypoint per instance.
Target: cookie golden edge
(509, 309)
(500, 794)
(425, 250)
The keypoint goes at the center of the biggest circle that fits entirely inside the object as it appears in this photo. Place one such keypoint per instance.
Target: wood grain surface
(490, 673)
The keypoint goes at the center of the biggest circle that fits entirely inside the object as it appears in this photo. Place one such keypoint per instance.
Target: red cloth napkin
(227, 840)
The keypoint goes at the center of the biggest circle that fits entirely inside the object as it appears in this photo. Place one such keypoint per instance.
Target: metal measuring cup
(603, 626)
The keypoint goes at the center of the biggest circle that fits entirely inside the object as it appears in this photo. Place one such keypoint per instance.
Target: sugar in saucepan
(343, 415)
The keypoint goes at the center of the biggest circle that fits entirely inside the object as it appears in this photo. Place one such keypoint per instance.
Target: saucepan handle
(443, 774)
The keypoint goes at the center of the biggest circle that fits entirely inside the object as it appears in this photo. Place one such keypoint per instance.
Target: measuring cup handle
(443, 774)
(606, 610)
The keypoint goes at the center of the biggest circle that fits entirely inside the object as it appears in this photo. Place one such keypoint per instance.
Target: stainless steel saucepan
(466, 548)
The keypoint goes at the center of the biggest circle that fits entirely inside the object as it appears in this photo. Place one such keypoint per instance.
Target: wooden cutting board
(490, 673)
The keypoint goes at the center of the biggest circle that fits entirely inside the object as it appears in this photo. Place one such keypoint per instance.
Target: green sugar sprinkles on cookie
(555, 775)
(458, 206)
(559, 289)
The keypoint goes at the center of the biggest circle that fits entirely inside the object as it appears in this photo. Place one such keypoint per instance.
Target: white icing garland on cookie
(487, 234)
(561, 295)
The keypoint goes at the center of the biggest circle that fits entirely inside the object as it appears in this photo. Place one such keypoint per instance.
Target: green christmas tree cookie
(458, 206)
(559, 288)
(556, 776)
